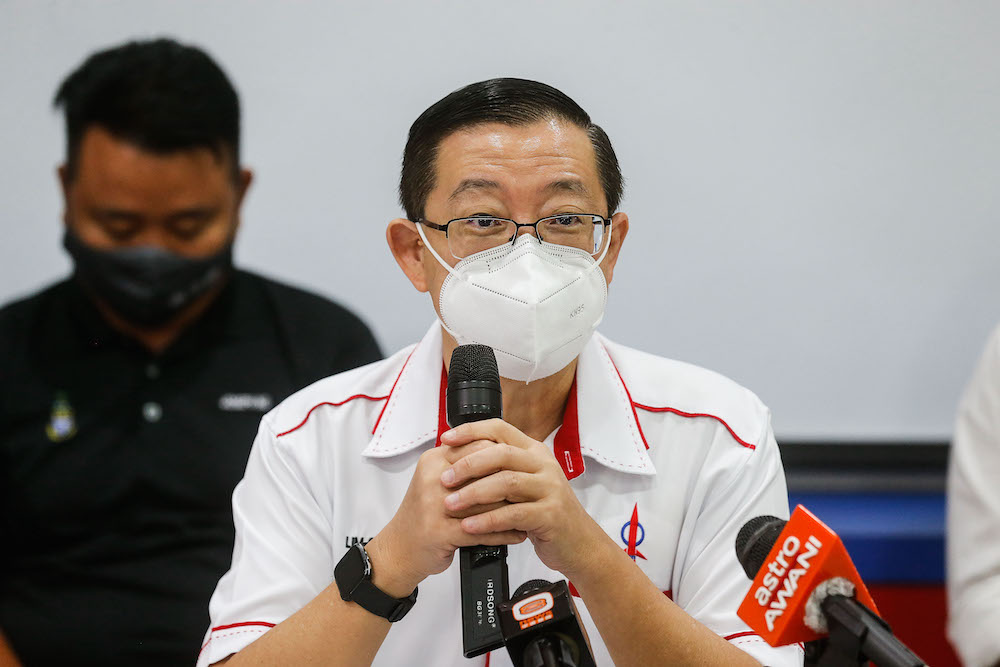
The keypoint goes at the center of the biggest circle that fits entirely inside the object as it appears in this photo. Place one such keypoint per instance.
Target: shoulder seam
(682, 413)
(693, 415)
(352, 398)
(331, 403)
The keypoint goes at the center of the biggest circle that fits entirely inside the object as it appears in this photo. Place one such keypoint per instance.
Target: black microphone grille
(755, 540)
(529, 587)
(472, 362)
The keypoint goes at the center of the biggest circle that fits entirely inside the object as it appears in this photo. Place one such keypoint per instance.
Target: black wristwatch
(353, 575)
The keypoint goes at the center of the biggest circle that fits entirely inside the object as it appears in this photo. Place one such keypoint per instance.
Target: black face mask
(145, 285)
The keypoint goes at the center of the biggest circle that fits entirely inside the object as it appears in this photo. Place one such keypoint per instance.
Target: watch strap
(380, 603)
(360, 589)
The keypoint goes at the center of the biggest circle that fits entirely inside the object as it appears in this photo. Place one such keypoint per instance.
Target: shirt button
(152, 371)
(152, 411)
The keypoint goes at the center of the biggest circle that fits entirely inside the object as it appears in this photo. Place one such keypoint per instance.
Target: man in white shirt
(627, 474)
(974, 516)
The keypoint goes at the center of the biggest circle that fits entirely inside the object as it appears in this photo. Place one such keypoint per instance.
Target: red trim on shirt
(741, 634)
(487, 663)
(442, 405)
(698, 414)
(675, 411)
(263, 624)
(566, 445)
(632, 403)
(346, 400)
(240, 625)
(389, 397)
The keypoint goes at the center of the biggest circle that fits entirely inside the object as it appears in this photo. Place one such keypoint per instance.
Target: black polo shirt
(117, 466)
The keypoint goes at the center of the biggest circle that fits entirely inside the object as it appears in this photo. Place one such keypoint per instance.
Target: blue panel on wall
(892, 538)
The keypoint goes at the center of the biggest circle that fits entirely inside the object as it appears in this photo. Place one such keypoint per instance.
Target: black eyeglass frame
(597, 219)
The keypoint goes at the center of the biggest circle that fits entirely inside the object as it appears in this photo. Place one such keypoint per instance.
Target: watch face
(352, 569)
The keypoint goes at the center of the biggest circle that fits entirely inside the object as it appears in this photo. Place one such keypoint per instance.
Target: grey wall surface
(812, 186)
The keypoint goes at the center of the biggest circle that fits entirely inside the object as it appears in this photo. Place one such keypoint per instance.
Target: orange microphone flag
(806, 554)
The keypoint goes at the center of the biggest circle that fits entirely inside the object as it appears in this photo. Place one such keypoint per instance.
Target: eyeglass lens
(467, 236)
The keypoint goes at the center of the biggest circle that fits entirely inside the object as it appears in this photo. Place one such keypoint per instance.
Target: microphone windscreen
(530, 586)
(474, 390)
(472, 362)
(755, 540)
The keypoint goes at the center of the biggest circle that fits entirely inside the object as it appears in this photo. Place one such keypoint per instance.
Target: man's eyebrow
(110, 212)
(474, 184)
(568, 185)
(195, 212)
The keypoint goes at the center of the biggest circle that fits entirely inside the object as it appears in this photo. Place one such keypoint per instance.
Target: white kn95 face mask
(535, 303)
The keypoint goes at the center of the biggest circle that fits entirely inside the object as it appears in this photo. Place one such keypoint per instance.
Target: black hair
(508, 101)
(160, 95)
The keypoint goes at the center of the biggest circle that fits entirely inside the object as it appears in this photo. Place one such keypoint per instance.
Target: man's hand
(422, 536)
(499, 464)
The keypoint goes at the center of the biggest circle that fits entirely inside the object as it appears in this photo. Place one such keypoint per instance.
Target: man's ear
(619, 230)
(408, 249)
(243, 180)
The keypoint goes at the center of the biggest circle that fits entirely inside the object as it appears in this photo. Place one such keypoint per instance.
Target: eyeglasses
(467, 236)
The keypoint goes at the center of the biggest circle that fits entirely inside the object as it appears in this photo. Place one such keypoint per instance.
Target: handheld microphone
(805, 588)
(474, 394)
(542, 629)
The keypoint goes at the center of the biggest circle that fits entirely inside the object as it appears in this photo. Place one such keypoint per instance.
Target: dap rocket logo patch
(62, 422)
(633, 534)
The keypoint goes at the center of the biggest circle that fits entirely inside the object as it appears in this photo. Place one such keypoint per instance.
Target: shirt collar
(409, 418)
(606, 430)
(609, 427)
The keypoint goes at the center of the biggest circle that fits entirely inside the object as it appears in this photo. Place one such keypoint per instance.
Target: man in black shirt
(130, 393)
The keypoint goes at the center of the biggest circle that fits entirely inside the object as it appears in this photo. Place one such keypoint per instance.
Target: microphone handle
(857, 635)
(484, 586)
(547, 651)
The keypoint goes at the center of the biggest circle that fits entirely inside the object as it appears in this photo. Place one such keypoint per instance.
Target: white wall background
(813, 185)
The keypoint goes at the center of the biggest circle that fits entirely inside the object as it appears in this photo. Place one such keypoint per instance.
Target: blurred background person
(130, 392)
(974, 516)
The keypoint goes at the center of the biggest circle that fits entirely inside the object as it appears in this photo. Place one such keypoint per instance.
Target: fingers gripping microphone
(474, 394)
(805, 588)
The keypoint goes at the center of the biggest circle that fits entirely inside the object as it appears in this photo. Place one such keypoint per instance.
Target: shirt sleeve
(974, 516)
(738, 483)
(281, 556)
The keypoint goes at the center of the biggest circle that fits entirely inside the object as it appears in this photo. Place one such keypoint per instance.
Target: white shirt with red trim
(974, 516)
(670, 459)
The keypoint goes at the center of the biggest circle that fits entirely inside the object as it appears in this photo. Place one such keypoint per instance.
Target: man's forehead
(475, 185)
(474, 158)
(101, 151)
(552, 136)
(99, 145)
